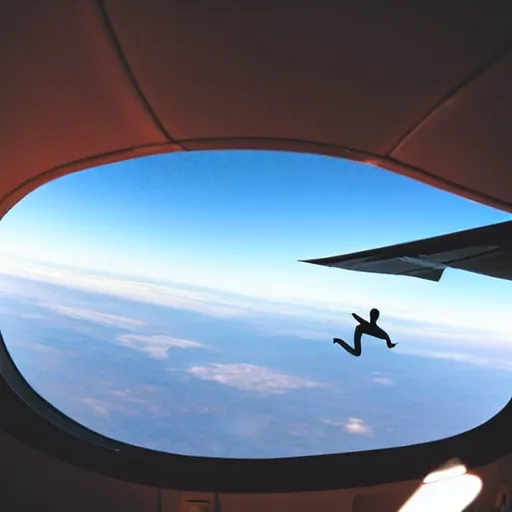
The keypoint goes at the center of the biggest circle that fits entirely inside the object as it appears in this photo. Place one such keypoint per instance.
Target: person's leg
(357, 349)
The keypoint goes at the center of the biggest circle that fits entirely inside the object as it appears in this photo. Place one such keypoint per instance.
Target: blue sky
(238, 221)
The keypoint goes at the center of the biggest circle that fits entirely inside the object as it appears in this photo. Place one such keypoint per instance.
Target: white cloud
(95, 317)
(29, 316)
(357, 426)
(354, 426)
(126, 395)
(470, 334)
(385, 381)
(496, 362)
(39, 347)
(249, 377)
(155, 346)
(97, 407)
(302, 334)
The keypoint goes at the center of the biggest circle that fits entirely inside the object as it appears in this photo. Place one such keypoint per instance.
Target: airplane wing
(486, 250)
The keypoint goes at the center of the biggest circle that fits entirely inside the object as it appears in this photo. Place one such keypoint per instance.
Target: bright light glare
(441, 474)
(446, 495)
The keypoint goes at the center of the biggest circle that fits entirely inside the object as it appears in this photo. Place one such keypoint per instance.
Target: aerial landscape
(160, 302)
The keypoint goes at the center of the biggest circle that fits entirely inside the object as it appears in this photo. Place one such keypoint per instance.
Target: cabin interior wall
(32, 481)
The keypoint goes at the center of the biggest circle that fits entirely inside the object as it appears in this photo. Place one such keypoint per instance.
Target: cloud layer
(96, 317)
(384, 381)
(355, 426)
(303, 321)
(220, 304)
(155, 346)
(249, 377)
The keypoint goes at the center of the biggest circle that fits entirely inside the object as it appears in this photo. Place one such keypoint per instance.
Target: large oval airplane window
(163, 302)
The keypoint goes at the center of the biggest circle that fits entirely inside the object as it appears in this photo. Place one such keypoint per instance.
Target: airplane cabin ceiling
(422, 88)
(325, 74)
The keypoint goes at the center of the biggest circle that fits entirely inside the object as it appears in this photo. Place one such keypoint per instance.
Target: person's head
(374, 315)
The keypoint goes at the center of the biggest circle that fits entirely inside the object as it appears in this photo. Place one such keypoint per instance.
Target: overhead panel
(355, 74)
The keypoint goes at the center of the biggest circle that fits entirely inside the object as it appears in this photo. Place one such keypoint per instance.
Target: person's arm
(359, 319)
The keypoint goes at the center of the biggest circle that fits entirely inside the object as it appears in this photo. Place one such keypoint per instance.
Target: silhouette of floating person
(370, 328)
